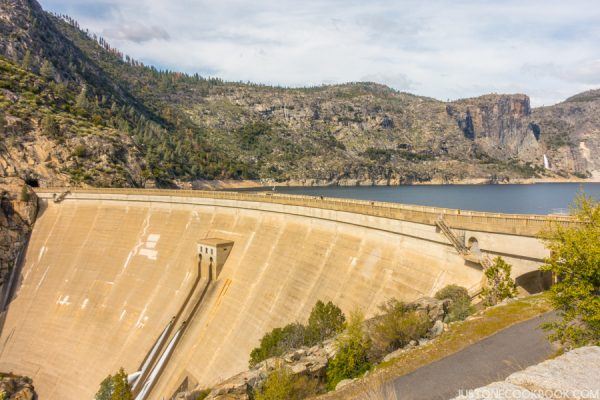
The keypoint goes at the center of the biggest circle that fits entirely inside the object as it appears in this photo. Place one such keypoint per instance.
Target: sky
(446, 49)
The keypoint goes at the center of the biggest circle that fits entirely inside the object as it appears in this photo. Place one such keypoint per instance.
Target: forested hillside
(74, 110)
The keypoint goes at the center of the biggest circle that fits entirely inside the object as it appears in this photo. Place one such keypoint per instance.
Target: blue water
(540, 198)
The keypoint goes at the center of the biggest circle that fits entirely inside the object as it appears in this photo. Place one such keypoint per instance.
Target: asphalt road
(480, 364)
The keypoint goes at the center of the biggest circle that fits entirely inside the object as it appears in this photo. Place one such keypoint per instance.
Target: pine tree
(47, 70)
(26, 63)
(121, 388)
(81, 102)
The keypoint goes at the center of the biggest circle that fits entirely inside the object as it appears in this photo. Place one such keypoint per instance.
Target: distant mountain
(75, 110)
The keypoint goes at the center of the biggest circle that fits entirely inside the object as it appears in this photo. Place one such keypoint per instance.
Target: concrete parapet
(518, 224)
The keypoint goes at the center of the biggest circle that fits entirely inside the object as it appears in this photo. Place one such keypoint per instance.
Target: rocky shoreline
(253, 184)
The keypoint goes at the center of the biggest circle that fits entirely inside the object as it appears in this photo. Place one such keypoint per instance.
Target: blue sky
(446, 49)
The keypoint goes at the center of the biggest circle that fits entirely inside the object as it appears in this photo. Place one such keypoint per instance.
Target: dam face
(105, 273)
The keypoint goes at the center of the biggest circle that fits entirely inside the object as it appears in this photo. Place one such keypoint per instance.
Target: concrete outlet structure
(212, 255)
(111, 274)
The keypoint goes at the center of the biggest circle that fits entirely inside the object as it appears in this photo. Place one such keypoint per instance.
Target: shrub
(499, 285)
(80, 151)
(461, 306)
(575, 262)
(352, 358)
(25, 196)
(281, 384)
(50, 127)
(277, 342)
(115, 388)
(398, 324)
(325, 321)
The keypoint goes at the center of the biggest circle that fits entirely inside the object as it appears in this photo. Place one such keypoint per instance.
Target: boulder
(394, 354)
(436, 309)
(437, 329)
(343, 382)
(308, 361)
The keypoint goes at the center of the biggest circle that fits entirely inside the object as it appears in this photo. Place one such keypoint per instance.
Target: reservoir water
(540, 198)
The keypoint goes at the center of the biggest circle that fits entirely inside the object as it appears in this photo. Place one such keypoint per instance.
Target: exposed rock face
(16, 388)
(18, 208)
(573, 375)
(312, 362)
(499, 125)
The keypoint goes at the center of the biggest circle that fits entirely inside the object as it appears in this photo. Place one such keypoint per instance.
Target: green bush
(25, 196)
(575, 262)
(277, 342)
(50, 127)
(325, 321)
(352, 358)
(115, 388)
(281, 384)
(398, 324)
(499, 284)
(80, 151)
(461, 306)
(452, 292)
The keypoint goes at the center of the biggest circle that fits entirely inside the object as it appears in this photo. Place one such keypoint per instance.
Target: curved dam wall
(104, 274)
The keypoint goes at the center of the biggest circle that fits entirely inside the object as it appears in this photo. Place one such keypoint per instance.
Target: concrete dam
(181, 285)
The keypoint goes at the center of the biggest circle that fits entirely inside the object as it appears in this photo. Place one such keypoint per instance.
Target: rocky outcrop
(312, 361)
(18, 209)
(573, 375)
(499, 125)
(16, 388)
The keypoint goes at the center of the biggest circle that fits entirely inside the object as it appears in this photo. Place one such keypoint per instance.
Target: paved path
(489, 360)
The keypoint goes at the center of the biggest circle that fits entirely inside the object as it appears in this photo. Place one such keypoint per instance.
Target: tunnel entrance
(33, 182)
(473, 246)
(535, 281)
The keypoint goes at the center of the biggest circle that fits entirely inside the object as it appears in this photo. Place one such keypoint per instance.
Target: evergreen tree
(47, 70)
(26, 62)
(81, 102)
(121, 388)
(499, 285)
(106, 389)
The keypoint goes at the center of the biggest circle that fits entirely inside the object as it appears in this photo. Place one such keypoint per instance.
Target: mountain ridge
(117, 122)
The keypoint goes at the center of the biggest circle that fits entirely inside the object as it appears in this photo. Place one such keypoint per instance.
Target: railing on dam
(518, 224)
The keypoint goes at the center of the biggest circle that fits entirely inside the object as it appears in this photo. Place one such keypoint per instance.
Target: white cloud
(439, 48)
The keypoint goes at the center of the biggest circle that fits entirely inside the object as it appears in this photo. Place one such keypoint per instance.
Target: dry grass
(460, 335)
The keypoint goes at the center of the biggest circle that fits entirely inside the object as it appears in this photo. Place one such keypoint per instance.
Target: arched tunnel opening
(535, 281)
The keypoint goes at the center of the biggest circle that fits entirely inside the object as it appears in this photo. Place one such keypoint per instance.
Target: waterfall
(546, 162)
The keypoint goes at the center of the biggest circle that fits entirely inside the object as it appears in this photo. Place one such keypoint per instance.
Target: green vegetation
(575, 262)
(352, 358)
(461, 306)
(398, 324)
(277, 342)
(325, 321)
(499, 285)
(115, 387)
(167, 128)
(25, 196)
(281, 384)
(461, 335)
